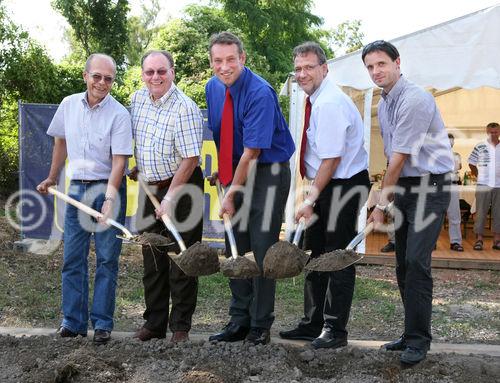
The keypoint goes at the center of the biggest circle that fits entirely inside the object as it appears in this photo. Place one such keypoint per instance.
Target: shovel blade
(333, 261)
(198, 260)
(240, 267)
(284, 260)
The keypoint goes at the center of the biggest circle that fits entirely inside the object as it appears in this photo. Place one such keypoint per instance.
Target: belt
(163, 184)
(89, 181)
(455, 182)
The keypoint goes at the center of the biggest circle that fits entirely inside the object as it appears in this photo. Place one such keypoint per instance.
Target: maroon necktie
(303, 143)
(226, 142)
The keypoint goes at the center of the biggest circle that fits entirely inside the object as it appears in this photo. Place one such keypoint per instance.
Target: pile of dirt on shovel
(43, 359)
(284, 260)
(199, 259)
(239, 267)
(334, 260)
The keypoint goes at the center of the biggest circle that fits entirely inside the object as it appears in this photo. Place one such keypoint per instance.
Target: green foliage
(187, 40)
(347, 38)
(272, 29)
(130, 82)
(140, 32)
(98, 25)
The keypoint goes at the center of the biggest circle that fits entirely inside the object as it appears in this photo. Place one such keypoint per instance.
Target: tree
(140, 31)
(187, 40)
(347, 38)
(272, 28)
(98, 25)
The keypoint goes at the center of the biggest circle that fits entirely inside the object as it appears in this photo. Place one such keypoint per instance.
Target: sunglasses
(97, 77)
(160, 72)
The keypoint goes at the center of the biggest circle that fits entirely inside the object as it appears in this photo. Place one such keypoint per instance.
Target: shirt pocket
(100, 144)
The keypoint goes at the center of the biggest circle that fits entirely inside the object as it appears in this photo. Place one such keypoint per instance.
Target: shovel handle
(227, 223)
(86, 209)
(357, 239)
(165, 218)
(298, 232)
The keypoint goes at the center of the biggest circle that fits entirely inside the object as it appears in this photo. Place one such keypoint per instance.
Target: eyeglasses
(306, 69)
(97, 77)
(160, 72)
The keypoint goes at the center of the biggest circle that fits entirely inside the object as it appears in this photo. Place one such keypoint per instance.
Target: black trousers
(417, 231)
(252, 302)
(328, 295)
(163, 279)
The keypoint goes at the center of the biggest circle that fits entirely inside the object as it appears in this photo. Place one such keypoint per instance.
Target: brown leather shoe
(179, 336)
(145, 334)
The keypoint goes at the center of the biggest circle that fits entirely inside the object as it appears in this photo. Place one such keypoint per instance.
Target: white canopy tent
(458, 61)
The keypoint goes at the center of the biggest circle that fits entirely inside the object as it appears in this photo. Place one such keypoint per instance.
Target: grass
(30, 293)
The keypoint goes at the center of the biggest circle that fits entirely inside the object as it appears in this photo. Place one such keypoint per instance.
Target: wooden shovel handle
(86, 209)
(165, 218)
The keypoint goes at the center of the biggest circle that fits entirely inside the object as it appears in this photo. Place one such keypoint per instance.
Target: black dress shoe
(66, 333)
(388, 248)
(231, 333)
(258, 335)
(412, 355)
(396, 345)
(327, 339)
(298, 334)
(101, 336)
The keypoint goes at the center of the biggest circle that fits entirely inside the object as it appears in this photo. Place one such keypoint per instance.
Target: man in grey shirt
(418, 180)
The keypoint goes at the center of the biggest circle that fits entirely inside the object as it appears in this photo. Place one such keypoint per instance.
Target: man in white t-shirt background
(484, 163)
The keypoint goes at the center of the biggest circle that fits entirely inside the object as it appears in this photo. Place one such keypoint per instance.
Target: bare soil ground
(466, 310)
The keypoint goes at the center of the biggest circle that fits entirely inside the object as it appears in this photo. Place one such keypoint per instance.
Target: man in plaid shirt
(167, 128)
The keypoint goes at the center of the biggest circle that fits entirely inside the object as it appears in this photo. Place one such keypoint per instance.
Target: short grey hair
(310, 47)
(93, 56)
(167, 55)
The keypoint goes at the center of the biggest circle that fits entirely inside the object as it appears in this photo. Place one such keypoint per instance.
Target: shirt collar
(238, 84)
(318, 91)
(395, 91)
(163, 99)
(100, 104)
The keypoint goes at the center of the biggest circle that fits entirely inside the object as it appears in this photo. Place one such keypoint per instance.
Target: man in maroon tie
(254, 147)
(333, 157)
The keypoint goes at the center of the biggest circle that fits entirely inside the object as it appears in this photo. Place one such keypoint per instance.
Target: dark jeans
(252, 302)
(414, 245)
(328, 295)
(163, 279)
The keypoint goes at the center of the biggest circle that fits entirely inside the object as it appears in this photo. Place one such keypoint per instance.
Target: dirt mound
(52, 359)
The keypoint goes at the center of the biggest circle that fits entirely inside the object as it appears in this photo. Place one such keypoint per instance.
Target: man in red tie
(333, 157)
(254, 147)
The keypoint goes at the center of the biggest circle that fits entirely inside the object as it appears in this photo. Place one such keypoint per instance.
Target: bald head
(99, 56)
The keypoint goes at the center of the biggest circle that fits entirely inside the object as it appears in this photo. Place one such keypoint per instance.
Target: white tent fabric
(463, 52)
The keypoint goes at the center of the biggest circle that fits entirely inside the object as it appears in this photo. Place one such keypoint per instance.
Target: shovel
(285, 259)
(199, 259)
(127, 235)
(340, 259)
(237, 267)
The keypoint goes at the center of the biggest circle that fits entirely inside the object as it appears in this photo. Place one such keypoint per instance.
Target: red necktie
(303, 143)
(226, 142)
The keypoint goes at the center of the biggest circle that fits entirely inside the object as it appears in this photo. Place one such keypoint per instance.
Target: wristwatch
(308, 202)
(382, 207)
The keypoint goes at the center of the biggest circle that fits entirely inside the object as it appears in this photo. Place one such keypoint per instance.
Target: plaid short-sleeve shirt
(165, 131)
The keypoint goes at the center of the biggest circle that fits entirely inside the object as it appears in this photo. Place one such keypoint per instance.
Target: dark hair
(169, 57)
(226, 38)
(93, 56)
(493, 125)
(451, 136)
(380, 45)
(310, 47)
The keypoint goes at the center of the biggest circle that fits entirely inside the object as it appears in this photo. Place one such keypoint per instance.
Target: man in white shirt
(484, 163)
(336, 161)
(94, 132)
